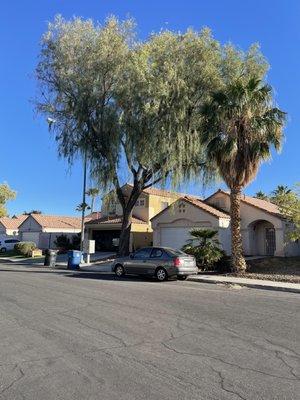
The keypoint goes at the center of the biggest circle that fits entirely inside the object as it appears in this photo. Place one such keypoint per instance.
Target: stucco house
(10, 226)
(263, 227)
(106, 230)
(44, 229)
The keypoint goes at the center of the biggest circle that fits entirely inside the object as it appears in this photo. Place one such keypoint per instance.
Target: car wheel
(181, 277)
(119, 270)
(161, 274)
(3, 250)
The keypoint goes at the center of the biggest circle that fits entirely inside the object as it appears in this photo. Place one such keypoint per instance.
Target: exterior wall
(158, 203)
(249, 215)
(9, 232)
(140, 239)
(30, 225)
(192, 217)
(47, 240)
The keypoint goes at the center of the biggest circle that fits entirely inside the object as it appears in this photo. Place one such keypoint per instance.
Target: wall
(47, 239)
(30, 224)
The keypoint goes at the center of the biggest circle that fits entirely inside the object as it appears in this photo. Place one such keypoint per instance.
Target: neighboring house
(263, 227)
(10, 226)
(172, 226)
(106, 230)
(44, 229)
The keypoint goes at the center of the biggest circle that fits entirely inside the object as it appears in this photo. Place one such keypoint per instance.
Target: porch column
(279, 235)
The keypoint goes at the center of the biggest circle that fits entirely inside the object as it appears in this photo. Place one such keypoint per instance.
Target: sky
(29, 161)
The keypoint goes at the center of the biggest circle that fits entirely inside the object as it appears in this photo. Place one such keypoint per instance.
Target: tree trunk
(238, 262)
(124, 241)
(92, 204)
(127, 207)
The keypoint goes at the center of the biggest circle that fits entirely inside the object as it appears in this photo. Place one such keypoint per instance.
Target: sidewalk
(252, 283)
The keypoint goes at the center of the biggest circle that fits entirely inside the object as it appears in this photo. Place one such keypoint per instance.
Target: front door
(270, 241)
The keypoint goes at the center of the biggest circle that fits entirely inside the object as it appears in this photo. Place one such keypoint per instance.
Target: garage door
(174, 237)
(31, 237)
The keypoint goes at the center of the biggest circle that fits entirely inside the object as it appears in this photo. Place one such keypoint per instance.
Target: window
(181, 207)
(11, 241)
(143, 253)
(156, 253)
(140, 203)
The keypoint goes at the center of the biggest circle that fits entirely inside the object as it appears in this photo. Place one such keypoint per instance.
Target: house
(44, 229)
(10, 226)
(262, 225)
(106, 230)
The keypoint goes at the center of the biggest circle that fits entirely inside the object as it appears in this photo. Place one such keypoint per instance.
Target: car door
(157, 259)
(138, 262)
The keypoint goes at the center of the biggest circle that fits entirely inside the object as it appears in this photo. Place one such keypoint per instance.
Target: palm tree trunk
(238, 262)
(92, 204)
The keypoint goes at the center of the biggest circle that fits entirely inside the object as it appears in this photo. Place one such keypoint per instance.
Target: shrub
(76, 241)
(62, 242)
(25, 248)
(205, 248)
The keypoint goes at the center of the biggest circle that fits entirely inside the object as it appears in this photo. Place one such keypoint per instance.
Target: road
(87, 335)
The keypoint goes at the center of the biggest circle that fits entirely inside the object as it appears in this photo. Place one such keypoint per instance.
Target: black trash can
(50, 258)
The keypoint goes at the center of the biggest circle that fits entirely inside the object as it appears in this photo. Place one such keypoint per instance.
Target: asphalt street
(87, 335)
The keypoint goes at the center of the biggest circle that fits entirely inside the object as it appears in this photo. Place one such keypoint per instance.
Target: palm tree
(240, 127)
(261, 195)
(93, 193)
(281, 190)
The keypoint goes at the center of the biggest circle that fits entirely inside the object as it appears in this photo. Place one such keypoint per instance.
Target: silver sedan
(161, 262)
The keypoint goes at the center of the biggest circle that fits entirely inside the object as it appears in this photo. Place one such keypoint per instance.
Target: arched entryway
(262, 236)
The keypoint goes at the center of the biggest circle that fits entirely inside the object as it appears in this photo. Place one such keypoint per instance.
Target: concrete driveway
(90, 336)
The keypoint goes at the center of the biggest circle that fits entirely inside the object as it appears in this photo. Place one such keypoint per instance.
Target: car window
(143, 253)
(156, 253)
(175, 252)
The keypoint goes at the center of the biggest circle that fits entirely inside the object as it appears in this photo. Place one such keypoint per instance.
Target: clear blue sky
(29, 161)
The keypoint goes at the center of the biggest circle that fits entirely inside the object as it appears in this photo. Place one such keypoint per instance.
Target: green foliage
(25, 248)
(76, 239)
(288, 201)
(93, 193)
(62, 242)
(261, 195)
(204, 247)
(6, 194)
(32, 212)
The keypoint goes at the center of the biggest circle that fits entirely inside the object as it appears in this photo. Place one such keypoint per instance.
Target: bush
(76, 241)
(205, 248)
(62, 242)
(25, 248)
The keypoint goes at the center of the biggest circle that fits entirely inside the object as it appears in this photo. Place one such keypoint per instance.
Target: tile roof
(253, 201)
(14, 222)
(114, 219)
(206, 207)
(57, 221)
(93, 215)
(197, 203)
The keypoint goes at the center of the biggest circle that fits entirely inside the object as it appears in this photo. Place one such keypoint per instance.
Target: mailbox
(89, 246)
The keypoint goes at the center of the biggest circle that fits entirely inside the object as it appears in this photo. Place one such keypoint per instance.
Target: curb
(247, 284)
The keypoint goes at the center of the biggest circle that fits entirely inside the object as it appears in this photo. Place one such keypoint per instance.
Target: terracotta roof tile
(114, 219)
(253, 201)
(57, 221)
(206, 207)
(13, 223)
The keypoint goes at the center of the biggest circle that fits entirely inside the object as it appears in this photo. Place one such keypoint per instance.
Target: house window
(181, 207)
(140, 203)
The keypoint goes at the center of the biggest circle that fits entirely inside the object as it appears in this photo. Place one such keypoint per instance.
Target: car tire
(181, 277)
(119, 270)
(3, 250)
(161, 274)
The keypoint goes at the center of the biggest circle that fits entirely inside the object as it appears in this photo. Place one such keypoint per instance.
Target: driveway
(89, 336)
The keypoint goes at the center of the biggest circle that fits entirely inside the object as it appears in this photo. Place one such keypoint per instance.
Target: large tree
(6, 194)
(127, 103)
(241, 125)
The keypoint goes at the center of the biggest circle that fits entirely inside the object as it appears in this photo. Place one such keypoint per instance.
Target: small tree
(204, 247)
(93, 193)
(6, 194)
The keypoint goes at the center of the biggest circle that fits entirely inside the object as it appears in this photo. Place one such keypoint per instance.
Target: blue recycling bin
(74, 258)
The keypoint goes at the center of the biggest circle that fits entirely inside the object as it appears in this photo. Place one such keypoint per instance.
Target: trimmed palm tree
(93, 193)
(241, 125)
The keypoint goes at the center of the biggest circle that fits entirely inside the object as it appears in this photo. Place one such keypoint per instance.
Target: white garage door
(31, 237)
(174, 237)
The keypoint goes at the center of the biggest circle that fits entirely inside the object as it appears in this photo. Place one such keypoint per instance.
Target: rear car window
(143, 253)
(175, 252)
(156, 253)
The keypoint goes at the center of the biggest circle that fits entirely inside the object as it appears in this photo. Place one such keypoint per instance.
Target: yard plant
(25, 248)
